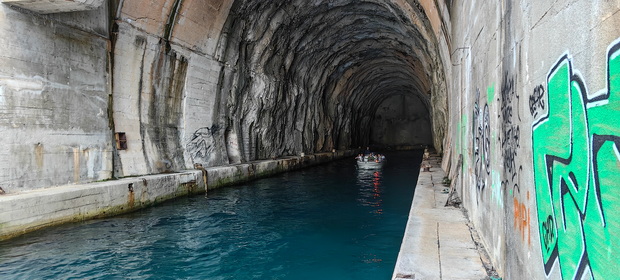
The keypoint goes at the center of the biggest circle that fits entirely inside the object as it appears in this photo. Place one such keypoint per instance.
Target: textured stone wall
(318, 77)
(266, 79)
(534, 113)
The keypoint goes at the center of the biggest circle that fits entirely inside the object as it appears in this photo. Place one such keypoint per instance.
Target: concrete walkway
(438, 241)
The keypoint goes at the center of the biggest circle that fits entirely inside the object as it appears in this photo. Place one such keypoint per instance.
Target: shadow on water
(327, 222)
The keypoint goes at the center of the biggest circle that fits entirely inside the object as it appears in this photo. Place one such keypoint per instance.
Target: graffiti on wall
(481, 144)
(510, 133)
(537, 100)
(576, 160)
(522, 221)
(202, 144)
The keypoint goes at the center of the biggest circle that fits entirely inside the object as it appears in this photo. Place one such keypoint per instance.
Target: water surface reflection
(327, 222)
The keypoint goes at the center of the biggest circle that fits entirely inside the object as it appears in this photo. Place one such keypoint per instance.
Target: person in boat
(360, 157)
(372, 157)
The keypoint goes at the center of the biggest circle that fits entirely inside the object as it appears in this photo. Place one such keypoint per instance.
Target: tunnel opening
(304, 77)
(401, 121)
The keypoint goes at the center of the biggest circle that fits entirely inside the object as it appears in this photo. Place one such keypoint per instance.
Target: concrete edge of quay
(439, 240)
(35, 209)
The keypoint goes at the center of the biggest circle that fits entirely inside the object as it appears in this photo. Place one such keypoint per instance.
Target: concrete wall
(534, 113)
(54, 96)
(165, 92)
(53, 6)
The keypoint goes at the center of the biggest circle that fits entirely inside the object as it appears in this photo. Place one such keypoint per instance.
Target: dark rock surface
(309, 76)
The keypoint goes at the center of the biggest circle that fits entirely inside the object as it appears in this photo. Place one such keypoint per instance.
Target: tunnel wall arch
(169, 76)
(289, 77)
(260, 87)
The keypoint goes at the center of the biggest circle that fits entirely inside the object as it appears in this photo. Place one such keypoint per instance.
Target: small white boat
(369, 164)
(370, 161)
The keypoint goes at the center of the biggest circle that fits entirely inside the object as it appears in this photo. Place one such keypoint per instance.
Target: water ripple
(328, 222)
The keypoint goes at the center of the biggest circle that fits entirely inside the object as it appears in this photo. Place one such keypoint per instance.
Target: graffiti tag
(510, 133)
(537, 101)
(201, 144)
(481, 144)
(576, 163)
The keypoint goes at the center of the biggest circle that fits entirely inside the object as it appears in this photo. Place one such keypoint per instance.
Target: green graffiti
(460, 131)
(577, 171)
(491, 93)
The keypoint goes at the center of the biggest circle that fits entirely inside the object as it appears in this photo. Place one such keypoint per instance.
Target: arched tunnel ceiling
(292, 76)
(340, 58)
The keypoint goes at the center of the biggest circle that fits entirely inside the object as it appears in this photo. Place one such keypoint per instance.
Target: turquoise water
(325, 222)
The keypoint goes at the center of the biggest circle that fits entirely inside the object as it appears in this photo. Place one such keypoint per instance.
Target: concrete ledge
(31, 210)
(438, 240)
(221, 176)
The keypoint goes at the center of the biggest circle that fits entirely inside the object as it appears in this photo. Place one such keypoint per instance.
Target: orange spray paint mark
(522, 219)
